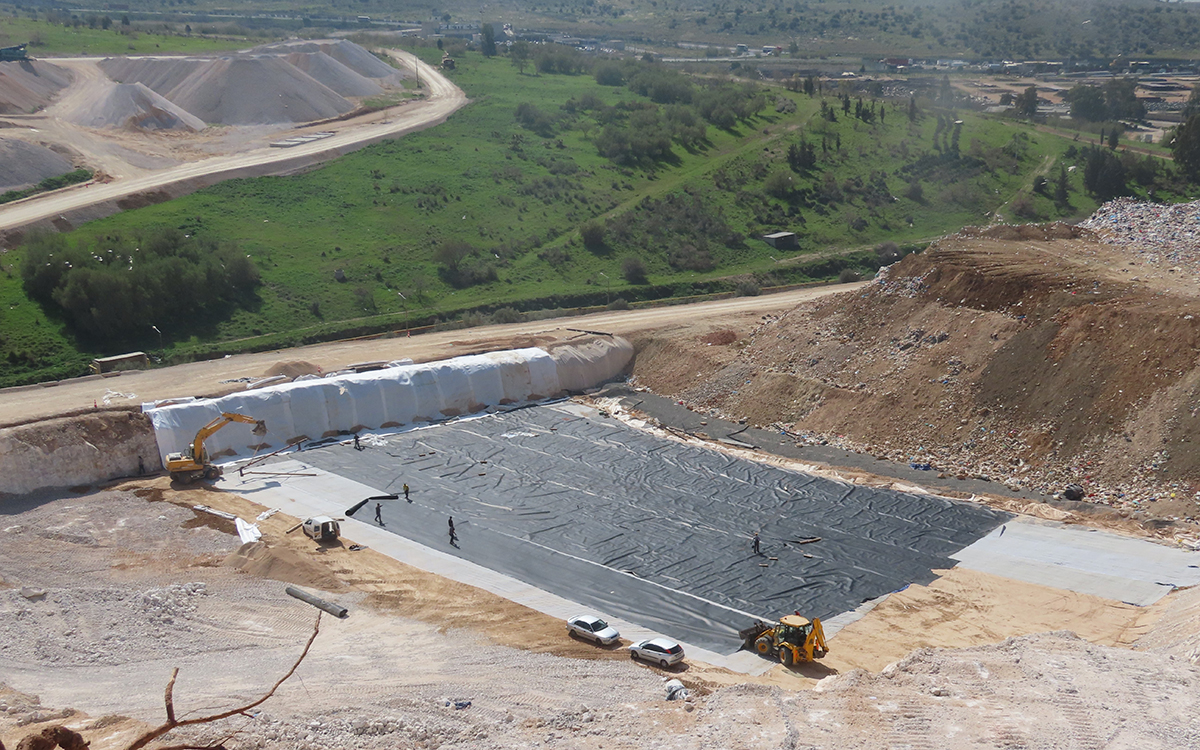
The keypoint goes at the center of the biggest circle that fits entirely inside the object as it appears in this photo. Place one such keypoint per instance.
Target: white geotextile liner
(391, 397)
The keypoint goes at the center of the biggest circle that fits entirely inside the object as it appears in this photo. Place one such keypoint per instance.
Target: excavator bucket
(260, 428)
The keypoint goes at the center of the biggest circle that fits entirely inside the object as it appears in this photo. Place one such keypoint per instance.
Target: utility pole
(607, 289)
(404, 306)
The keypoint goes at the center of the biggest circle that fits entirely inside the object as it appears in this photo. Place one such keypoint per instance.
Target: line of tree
(1115, 100)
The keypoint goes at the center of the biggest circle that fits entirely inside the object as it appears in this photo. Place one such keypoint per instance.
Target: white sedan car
(593, 629)
(661, 651)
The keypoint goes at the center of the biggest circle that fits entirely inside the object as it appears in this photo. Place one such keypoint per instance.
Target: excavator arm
(199, 454)
(195, 463)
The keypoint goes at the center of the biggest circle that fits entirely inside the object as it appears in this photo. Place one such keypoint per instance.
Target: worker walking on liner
(379, 513)
(406, 493)
(453, 535)
(755, 543)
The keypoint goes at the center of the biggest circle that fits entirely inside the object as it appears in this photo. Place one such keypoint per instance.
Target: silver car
(661, 651)
(593, 629)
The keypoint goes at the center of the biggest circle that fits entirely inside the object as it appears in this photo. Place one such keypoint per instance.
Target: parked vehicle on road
(661, 651)
(593, 629)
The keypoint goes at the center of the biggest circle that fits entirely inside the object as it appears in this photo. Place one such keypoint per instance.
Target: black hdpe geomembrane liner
(651, 530)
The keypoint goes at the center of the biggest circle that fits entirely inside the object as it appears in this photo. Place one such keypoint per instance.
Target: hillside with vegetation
(563, 184)
(1101, 30)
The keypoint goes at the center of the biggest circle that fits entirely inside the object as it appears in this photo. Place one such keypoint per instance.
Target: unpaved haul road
(203, 378)
(444, 99)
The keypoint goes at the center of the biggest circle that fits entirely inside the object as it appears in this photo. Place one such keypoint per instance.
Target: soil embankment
(1038, 357)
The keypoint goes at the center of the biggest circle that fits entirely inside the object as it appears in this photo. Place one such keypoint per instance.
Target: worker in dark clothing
(406, 493)
(379, 513)
(357, 446)
(755, 543)
(453, 535)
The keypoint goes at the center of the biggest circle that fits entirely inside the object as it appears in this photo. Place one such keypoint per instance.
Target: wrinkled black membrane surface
(654, 531)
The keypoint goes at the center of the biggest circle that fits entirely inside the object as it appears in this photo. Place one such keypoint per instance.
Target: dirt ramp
(132, 105)
(73, 451)
(27, 164)
(260, 90)
(334, 74)
(29, 85)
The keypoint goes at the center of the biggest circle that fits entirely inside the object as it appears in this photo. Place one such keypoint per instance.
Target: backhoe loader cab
(793, 639)
(190, 466)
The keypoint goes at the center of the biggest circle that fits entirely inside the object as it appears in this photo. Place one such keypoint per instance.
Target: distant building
(781, 240)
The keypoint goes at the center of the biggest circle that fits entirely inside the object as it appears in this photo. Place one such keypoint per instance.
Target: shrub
(634, 270)
(618, 304)
(114, 287)
(593, 235)
(507, 315)
(848, 275)
(747, 288)
(888, 253)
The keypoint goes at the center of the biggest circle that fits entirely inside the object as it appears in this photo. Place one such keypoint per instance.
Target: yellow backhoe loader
(190, 466)
(794, 639)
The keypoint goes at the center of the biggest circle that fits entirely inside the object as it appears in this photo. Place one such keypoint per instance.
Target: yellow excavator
(190, 466)
(794, 639)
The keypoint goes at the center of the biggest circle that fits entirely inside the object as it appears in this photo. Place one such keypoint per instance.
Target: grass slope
(56, 39)
(378, 215)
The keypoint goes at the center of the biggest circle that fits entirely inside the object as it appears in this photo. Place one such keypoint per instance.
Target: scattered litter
(31, 593)
(112, 395)
(357, 547)
(459, 705)
(267, 513)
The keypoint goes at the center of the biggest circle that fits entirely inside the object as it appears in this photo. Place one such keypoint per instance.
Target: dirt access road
(203, 378)
(443, 100)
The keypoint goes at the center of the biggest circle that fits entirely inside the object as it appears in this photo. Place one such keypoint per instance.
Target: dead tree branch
(172, 723)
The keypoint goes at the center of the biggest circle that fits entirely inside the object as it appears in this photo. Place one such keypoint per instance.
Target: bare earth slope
(1039, 357)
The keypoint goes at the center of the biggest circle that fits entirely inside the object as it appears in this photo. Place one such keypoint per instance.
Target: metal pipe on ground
(334, 609)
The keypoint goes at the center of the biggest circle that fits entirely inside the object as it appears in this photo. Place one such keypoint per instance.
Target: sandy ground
(139, 163)
(203, 378)
(136, 583)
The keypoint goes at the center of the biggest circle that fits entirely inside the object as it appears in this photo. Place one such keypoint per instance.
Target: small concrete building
(781, 240)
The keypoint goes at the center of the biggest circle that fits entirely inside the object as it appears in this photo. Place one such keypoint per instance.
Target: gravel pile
(27, 164)
(132, 105)
(26, 87)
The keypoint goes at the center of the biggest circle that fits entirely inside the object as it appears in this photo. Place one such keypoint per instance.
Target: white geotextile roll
(394, 396)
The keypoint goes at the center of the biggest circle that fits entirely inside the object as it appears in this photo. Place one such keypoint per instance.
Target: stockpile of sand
(333, 74)
(347, 53)
(29, 85)
(160, 75)
(132, 105)
(26, 164)
(257, 91)
(282, 83)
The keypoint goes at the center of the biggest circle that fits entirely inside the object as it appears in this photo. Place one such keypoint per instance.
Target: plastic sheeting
(391, 397)
(655, 531)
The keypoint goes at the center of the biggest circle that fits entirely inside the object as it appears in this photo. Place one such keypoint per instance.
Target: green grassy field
(47, 39)
(377, 216)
